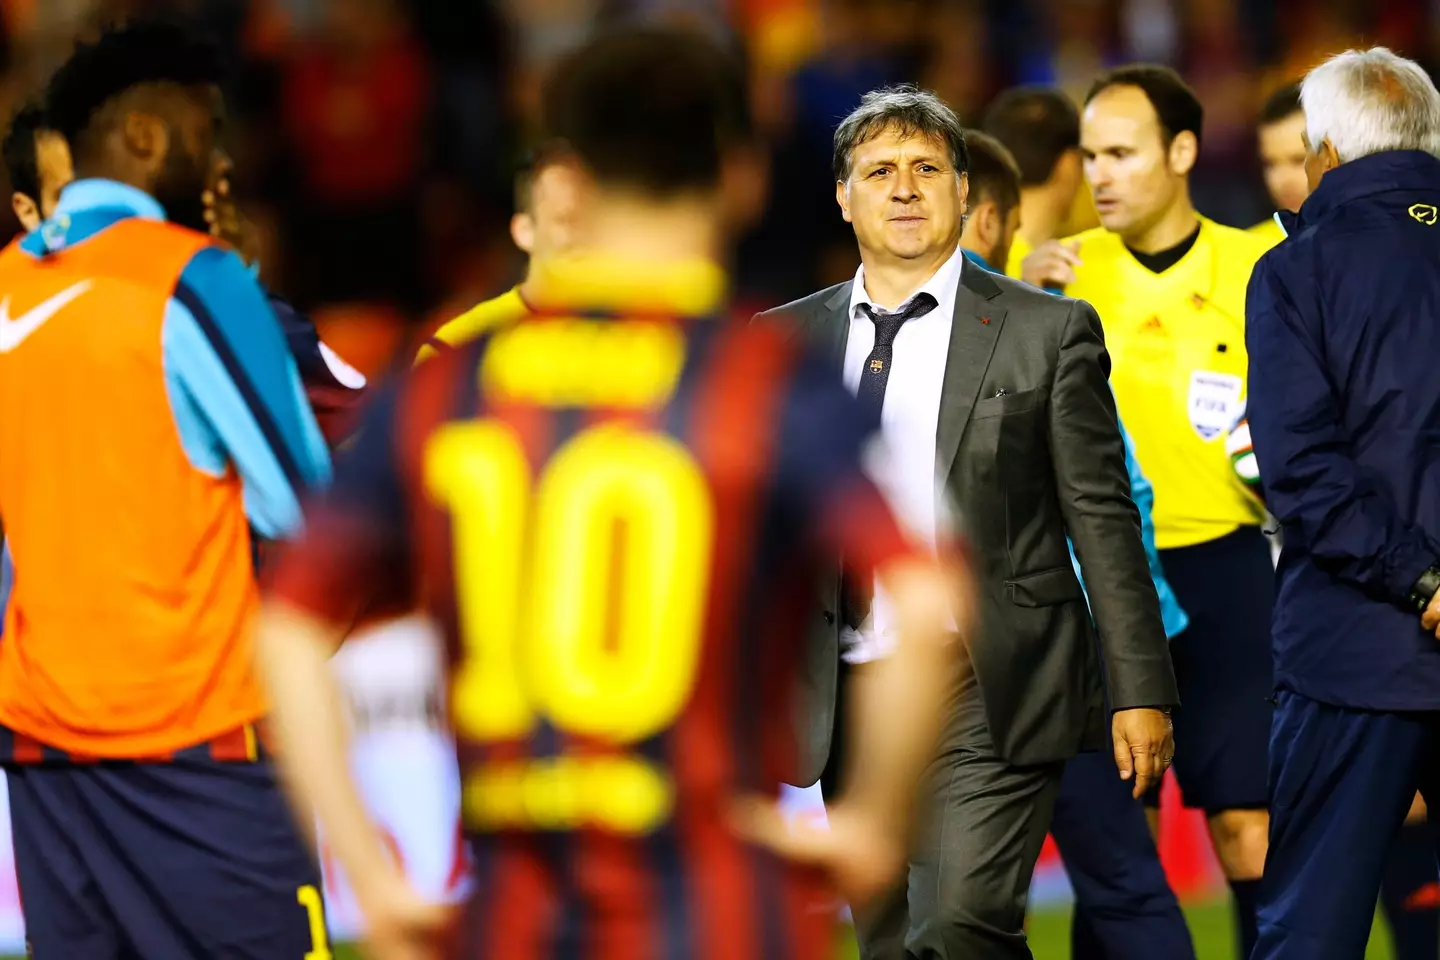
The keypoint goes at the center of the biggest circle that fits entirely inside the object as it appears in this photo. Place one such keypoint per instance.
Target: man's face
(52, 162)
(188, 167)
(903, 196)
(1134, 176)
(1282, 158)
(549, 228)
(54, 170)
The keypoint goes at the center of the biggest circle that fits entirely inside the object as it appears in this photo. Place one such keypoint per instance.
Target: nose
(906, 186)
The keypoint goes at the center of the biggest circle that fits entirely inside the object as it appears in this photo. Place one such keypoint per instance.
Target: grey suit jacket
(1024, 468)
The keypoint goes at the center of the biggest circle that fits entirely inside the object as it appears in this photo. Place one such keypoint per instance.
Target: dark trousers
(1341, 781)
(1124, 907)
(969, 877)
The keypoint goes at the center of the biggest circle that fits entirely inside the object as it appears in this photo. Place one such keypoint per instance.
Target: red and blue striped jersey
(620, 521)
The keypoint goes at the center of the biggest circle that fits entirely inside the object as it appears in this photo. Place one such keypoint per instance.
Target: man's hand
(1430, 619)
(863, 856)
(226, 222)
(1052, 264)
(400, 924)
(1144, 746)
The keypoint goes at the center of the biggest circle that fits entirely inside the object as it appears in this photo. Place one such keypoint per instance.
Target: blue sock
(1410, 896)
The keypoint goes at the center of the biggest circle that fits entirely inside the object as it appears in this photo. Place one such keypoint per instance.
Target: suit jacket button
(829, 618)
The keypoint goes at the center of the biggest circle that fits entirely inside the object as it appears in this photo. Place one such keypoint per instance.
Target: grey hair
(904, 107)
(1370, 101)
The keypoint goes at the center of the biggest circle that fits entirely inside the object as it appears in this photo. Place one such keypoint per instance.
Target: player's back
(149, 417)
(629, 510)
(119, 542)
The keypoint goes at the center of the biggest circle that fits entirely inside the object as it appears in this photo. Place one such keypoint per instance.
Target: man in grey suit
(999, 404)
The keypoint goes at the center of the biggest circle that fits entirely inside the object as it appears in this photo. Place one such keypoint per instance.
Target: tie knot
(887, 325)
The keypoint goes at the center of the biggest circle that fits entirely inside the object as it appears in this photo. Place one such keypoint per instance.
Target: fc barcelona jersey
(619, 519)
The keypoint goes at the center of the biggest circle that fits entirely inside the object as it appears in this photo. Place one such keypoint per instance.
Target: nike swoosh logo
(14, 331)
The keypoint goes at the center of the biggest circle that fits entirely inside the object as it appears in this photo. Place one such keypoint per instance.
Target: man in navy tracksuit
(1343, 331)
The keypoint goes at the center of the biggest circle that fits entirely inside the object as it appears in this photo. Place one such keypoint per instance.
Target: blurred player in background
(1124, 907)
(1410, 892)
(1281, 136)
(1169, 286)
(618, 520)
(547, 203)
(150, 415)
(391, 668)
(37, 159)
(1041, 128)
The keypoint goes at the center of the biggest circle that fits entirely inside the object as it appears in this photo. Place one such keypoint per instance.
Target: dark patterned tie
(873, 379)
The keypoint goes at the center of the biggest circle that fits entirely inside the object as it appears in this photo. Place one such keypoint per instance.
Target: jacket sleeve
(236, 393)
(1328, 507)
(1103, 522)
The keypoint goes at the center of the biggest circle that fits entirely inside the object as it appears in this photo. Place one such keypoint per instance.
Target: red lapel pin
(984, 319)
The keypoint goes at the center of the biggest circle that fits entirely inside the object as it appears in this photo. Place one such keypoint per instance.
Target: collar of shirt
(685, 288)
(941, 286)
(1389, 170)
(88, 206)
(83, 196)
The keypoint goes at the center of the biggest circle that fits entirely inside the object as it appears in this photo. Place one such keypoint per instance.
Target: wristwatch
(1425, 588)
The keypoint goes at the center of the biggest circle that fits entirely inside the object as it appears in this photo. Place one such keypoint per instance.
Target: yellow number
(479, 469)
(552, 599)
(309, 898)
(606, 481)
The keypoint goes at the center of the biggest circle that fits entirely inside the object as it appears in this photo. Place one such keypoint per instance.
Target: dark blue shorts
(1225, 671)
(187, 861)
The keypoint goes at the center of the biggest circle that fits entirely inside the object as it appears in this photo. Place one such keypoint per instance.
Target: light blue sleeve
(1143, 494)
(7, 580)
(236, 393)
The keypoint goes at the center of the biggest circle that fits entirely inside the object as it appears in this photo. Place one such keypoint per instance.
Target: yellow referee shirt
(1269, 230)
(497, 312)
(1177, 345)
(1019, 249)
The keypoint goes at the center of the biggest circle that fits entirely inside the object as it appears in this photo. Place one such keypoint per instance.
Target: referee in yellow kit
(547, 204)
(1169, 286)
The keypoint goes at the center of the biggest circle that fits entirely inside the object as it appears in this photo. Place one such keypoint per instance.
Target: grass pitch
(1050, 936)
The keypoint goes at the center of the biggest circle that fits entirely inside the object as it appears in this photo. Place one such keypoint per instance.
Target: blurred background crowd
(376, 140)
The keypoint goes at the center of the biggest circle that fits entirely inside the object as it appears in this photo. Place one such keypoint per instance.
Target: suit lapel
(973, 335)
(831, 326)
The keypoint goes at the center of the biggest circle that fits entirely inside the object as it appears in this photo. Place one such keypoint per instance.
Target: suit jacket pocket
(1022, 402)
(1046, 588)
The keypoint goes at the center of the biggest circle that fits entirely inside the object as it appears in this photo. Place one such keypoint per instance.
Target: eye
(879, 172)
(929, 168)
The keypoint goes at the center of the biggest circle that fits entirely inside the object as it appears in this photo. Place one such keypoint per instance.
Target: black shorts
(1225, 670)
(185, 861)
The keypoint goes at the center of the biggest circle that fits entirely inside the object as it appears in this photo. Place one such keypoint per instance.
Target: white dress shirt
(905, 469)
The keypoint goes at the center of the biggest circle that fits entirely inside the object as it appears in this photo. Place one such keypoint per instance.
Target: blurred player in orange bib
(150, 419)
(617, 508)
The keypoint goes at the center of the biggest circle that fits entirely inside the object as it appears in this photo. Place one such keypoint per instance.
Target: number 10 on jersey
(618, 517)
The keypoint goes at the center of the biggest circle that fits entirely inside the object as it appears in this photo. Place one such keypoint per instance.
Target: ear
(1184, 151)
(1329, 156)
(842, 197)
(146, 137)
(522, 231)
(25, 211)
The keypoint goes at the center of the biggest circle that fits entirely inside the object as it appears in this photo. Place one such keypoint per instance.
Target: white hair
(1370, 101)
